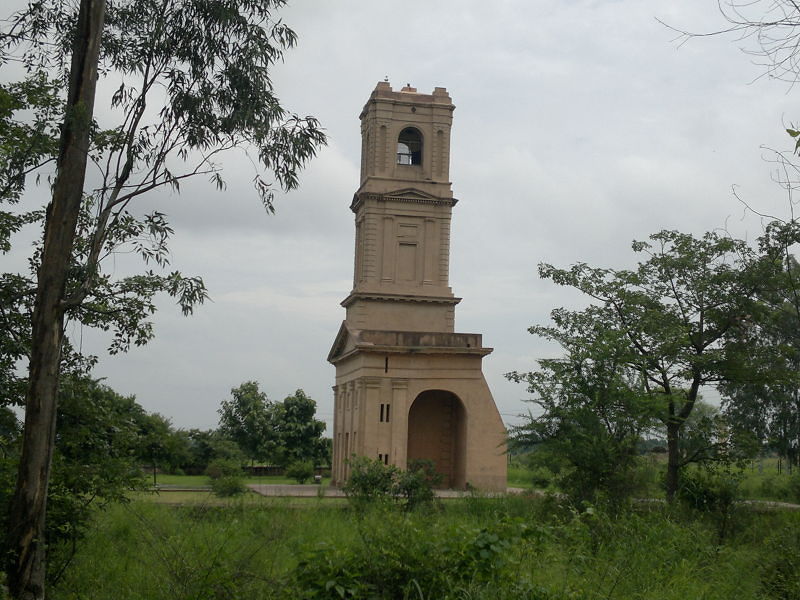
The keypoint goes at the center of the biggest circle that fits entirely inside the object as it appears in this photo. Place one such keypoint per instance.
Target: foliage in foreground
(371, 482)
(478, 548)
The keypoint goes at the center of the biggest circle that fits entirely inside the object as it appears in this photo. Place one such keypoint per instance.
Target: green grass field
(469, 549)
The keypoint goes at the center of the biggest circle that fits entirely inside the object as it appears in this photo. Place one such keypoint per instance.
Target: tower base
(407, 395)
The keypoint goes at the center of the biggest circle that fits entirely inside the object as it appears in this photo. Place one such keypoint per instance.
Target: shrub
(228, 486)
(416, 485)
(542, 477)
(300, 470)
(708, 489)
(226, 478)
(372, 482)
(794, 488)
(403, 560)
(780, 563)
(223, 468)
(713, 491)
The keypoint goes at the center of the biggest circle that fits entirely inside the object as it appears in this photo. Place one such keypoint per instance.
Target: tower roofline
(409, 96)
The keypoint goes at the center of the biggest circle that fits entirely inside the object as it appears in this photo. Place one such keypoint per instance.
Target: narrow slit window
(409, 147)
(387, 412)
(382, 407)
(386, 459)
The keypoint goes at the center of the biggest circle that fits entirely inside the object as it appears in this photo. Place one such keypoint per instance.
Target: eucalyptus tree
(190, 82)
(675, 322)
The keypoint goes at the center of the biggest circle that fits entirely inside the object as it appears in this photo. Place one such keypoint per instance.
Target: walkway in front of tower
(309, 491)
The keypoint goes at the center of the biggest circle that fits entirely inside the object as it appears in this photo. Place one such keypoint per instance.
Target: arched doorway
(437, 431)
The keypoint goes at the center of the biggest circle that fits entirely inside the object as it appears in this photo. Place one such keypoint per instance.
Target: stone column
(399, 422)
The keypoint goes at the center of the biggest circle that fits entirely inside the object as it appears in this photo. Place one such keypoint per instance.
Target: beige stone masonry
(407, 386)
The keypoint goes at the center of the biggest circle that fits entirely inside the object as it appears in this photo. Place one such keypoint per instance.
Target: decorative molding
(415, 197)
(399, 384)
(398, 298)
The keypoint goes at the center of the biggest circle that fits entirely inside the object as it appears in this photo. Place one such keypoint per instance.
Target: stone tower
(407, 386)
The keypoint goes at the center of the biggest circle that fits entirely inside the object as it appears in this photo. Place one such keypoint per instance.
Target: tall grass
(475, 548)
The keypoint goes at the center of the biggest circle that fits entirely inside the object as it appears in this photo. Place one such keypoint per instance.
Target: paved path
(306, 491)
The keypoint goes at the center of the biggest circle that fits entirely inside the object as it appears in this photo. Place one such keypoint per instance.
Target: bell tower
(407, 386)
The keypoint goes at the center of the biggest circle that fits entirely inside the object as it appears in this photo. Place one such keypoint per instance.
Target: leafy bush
(709, 490)
(542, 477)
(401, 560)
(713, 491)
(416, 485)
(793, 488)
(372, 482)
(226, 478)
(301, 471)
(780, 564)
(223, 468)
(228, 486)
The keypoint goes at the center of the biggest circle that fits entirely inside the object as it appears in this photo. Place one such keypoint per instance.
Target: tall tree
(594, 407)
(297, 432)
(246, 418)
(192, 82)
(26, 527)
(674, 316)
(278, 432)
(767, 411)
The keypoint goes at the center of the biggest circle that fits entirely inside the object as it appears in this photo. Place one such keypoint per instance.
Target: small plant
(416, 484)
(300, 470)
(713, 491)
(372, 482)
(223, 468)
(226, 478)
(404, 560)
(542, 477)
(780, 568)
(228, 486)
(793, 488)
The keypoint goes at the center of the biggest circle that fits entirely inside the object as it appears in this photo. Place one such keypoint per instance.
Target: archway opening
(409, 147)
(437, 431)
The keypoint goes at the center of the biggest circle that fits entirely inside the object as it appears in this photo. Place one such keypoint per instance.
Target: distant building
(407, 386)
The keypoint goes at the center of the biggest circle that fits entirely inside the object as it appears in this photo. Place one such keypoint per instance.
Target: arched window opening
(409, 147)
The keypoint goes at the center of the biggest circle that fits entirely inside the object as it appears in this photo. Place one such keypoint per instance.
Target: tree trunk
(673, 460)
(26, 569)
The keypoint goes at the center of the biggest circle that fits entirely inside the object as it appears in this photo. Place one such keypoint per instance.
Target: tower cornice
(381, 296)
(408, 196)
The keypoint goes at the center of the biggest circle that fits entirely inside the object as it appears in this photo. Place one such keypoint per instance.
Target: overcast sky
(580, 126)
